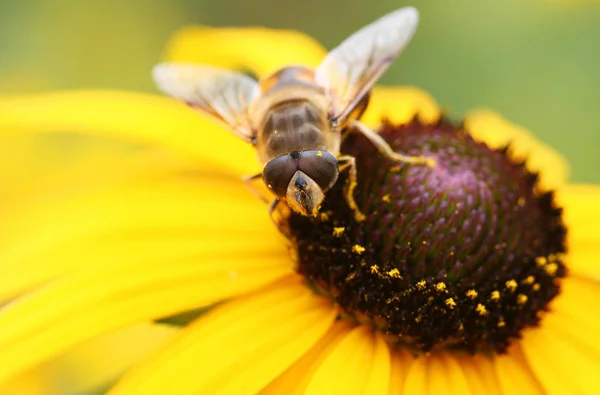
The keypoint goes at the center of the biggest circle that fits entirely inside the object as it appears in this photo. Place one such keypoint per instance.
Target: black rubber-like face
(278, 173)
(321, 166)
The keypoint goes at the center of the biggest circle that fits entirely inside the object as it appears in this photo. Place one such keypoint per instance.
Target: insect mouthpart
(304, 195)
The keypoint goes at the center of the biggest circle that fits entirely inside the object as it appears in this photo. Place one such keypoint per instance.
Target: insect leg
(248, 181)
(350, 164)
(386, 150)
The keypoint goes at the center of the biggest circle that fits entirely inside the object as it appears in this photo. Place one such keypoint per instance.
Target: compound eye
(321, 166)
(278, 173)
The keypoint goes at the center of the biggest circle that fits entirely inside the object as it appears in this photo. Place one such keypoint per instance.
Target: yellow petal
(139, 118)
(238, 347)
(489, 127)
(360, 364)
(562, 364)
(480, 374)
(259, 50)
(401, 361)
(400, 105)
(582, 216)
(93, 364)
(514, 373)
(136, 223)
(575, 312)
(295, 380)
(100, 299)
(438, 373)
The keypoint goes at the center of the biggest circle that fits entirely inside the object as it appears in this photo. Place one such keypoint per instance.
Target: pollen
(440, 287)
(421, 285)
(395, 169)
(551, 269)
(450, 303)
(521, 201)
(320, 153)
(374, 269)
(481, 310)
(529, 280)
(541, 261)
(511, 285)
(495, 296)
(338, 231)
(536, 287)
(522, 299)
(386, 198)
(501, 324)
(394, 273)
(358, 249)
(471, 294)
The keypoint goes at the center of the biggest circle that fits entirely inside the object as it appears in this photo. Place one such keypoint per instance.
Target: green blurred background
(535, 61)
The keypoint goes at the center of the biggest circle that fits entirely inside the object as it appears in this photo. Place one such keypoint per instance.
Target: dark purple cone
(463, 255)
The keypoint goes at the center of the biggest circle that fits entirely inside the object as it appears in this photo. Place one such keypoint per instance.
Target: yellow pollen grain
(501, 324)
(511, 285)
(529, 280)
(358, 249)
(320, 153)
(386, 198)
(495, 295)
(521, 201)
(536, 287)
(421, 285)
(440, 286)
(450, 303)
(472, 293)
(374, 269)
(481, 310)
(541, 261)
(521, 299)
(551, 269)
(552, 258)
(338, 231)
(395, 169)
(394, 273)
(418, 319)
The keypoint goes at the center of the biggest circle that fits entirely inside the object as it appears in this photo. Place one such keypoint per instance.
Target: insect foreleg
(349, 162)
(385, 148)
(248, 181)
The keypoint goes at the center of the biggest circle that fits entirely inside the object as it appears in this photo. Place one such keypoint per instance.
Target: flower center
(463, 255)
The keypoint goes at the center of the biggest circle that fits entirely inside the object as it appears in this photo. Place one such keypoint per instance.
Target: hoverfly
(297, 117)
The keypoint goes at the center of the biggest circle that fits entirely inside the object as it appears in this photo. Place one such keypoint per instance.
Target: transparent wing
(225, 95)
(349, 71)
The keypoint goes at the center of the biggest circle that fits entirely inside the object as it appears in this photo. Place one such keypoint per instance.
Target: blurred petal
(99, 299)
(401, 361)
(438, 373)
(480, 374)
(139, 118)
(360, 364)
(582, 215)
(295, 380)
(491, 128)
(400, 105)
(135, 224)
(238, 347)
(259, 50)
(514, 373)
(93, 364)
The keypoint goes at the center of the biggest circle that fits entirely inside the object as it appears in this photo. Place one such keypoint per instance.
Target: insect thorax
(295, 125)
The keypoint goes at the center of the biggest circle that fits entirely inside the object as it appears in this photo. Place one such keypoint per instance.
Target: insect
(297, 117)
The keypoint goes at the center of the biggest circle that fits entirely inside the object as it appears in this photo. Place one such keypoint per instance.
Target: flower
(134, 233)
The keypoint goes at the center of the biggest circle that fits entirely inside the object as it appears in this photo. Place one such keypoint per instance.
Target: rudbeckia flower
(477, 276)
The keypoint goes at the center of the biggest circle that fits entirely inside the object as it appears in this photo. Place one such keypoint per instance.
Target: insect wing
(222, 94)
(350, 70)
